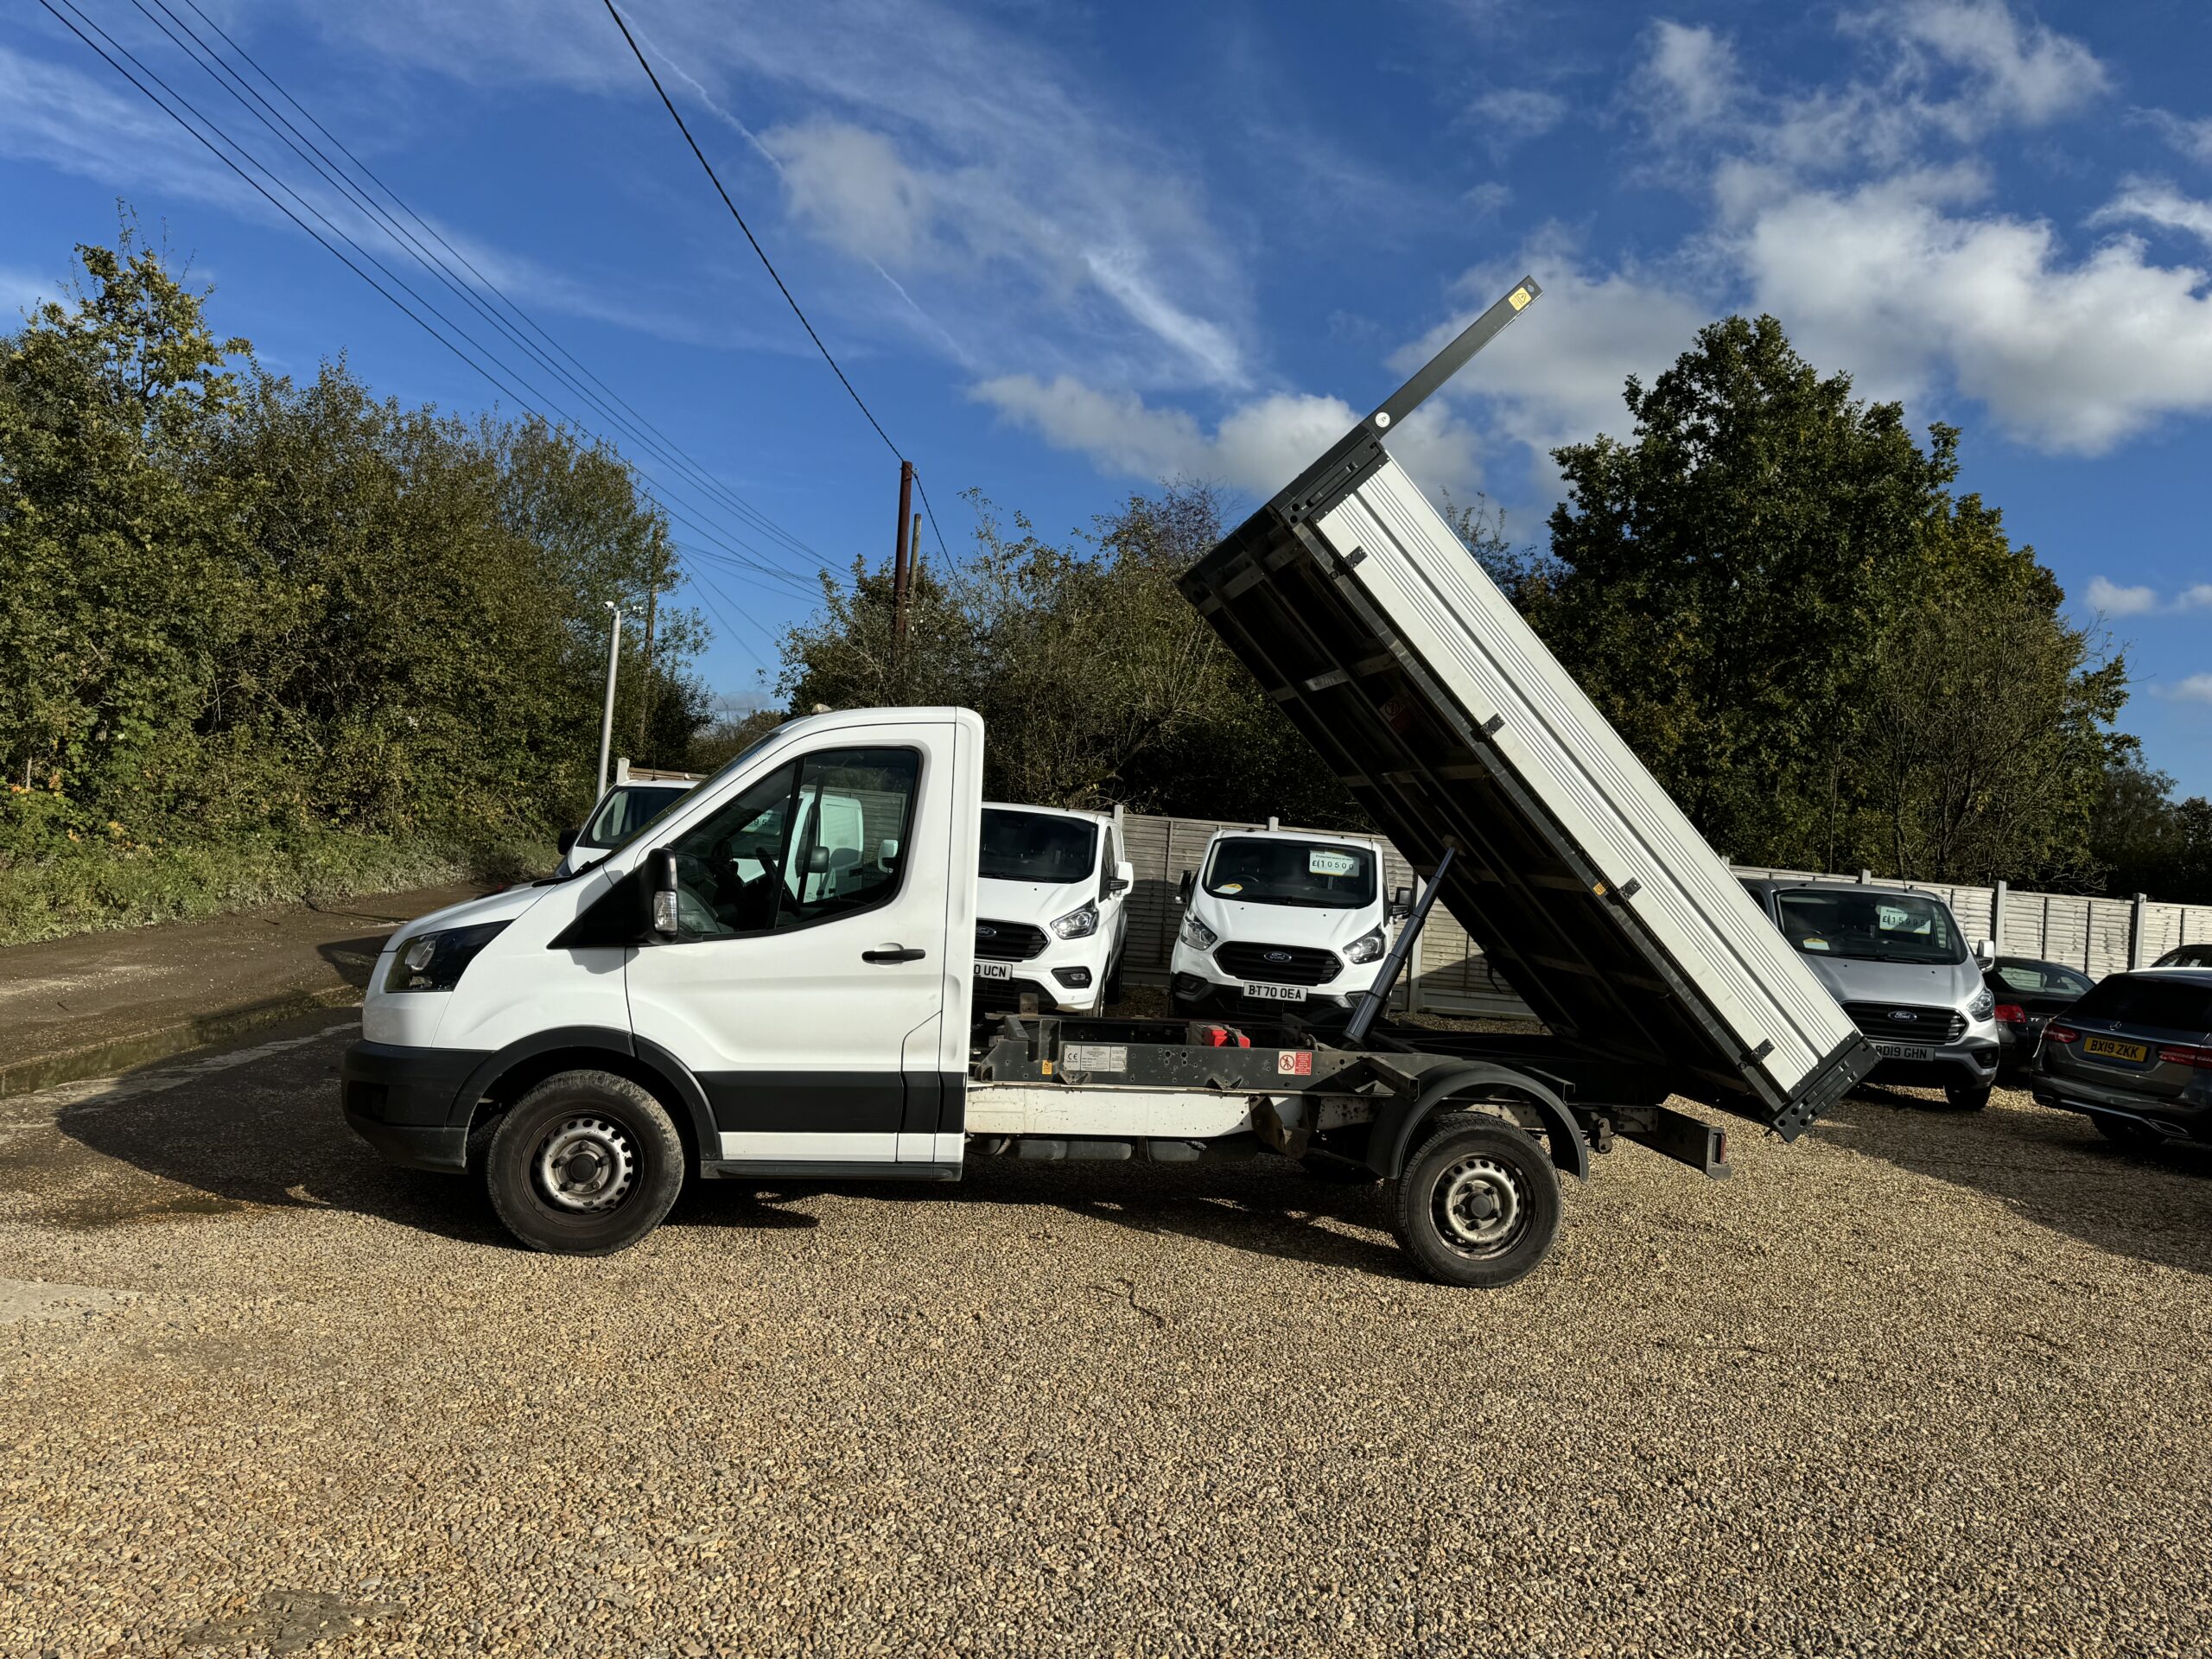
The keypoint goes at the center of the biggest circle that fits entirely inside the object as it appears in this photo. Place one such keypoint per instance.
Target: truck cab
(1052, 903)
(1279, 919)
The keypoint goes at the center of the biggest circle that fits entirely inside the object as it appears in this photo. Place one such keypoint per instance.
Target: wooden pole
(901, 557)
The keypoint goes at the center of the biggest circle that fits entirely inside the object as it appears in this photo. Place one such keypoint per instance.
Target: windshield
(1036, 847)
(626, 809)
(1318, 875)
(2141, 1000)
(1869, 926)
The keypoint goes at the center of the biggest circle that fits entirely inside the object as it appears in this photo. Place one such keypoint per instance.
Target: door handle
(893, 953)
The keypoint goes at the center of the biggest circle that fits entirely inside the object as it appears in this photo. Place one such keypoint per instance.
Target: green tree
(1728, 584)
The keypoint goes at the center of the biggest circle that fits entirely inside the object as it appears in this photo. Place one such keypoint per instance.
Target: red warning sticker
(1295, 1063)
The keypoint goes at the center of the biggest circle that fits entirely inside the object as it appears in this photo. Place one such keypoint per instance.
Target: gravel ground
(1925, 1383)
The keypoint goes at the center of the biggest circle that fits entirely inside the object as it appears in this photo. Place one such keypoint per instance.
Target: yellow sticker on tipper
(1517, 298)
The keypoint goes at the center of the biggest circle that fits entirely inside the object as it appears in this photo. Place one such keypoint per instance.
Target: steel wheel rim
(586, 1164)
(1480, 1206)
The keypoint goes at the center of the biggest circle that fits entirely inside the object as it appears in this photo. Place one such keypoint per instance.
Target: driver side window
(816, 838)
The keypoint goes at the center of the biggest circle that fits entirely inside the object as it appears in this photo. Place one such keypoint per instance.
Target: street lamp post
(606, 719)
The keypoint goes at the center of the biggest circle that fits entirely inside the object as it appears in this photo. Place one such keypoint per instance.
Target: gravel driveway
(1925, 1383)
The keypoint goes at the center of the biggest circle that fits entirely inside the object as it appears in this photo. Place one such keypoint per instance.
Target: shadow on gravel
(266, 1135)
(1260, 1206)
(353, 960)
(2051, 1168)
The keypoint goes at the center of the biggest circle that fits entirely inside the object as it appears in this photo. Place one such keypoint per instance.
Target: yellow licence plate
(2113, 1048)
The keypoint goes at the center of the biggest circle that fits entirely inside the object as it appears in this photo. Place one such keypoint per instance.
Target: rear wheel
(1478, 1204)
(585, 1164)
(1967, 1097)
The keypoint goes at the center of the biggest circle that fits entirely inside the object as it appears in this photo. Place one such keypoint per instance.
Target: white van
(1051, 909)
(638, 796)
(1278, 919)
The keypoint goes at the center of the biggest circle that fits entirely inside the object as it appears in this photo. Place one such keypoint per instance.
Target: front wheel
(585, 1164)
(1478, 1204)
(1967, 1097)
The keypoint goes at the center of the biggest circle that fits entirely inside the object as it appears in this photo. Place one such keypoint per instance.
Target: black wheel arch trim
(1398, 1125)
(606, 1039)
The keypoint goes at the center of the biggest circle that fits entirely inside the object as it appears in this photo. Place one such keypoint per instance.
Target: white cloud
(2197, 688)
(2109, 599)
(2193, 138)
(947, 144)
(849, 186)
(2069, 355)
(1259, 446)
(20, 290)
(1556, 376)
(2198, 598)
(1692, 74)
(1513, 115)
(2028, 72)
(2151, 202)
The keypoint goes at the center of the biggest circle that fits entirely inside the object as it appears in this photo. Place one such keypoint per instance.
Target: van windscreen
(1842, 921)
(1320, 876)
(1036, 847)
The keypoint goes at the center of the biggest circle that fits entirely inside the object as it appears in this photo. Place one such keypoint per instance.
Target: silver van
(1897, 963)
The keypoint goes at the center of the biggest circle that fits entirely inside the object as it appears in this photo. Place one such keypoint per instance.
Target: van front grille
(1278, 964)
(1008, 941)
(1906, 1022)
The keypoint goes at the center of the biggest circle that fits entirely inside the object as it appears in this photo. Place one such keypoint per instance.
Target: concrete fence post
(1274, 823)
(1997, 917)
(2135, 952)
(1865, 877)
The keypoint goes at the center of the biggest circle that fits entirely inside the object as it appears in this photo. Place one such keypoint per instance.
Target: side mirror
(1402, 904)
(1186, 887)
(1985, 952)
(1125, 877)
(817, 859)
(566, 839)
(664, 869)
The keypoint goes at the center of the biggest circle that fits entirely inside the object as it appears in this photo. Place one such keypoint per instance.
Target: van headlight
(1366, 947)
(1197, 934)
(1077, 924)
(435, 961)
(1984, 1004)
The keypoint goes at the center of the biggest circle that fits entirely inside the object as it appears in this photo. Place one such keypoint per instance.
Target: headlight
(1077, 924)
(1197, 934)
(1984, 1004)
(435, 961)
(1366, 947)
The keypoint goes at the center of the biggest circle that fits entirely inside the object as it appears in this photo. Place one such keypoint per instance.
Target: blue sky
(1067, 251)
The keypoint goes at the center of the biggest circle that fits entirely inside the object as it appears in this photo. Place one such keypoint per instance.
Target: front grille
(1906, 1022)
(1279, 964)
(1008, 941)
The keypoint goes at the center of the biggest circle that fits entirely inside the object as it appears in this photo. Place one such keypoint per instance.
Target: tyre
(585, 1163)
(1967, 1097)
(1478, 1204)
(2127, 1132)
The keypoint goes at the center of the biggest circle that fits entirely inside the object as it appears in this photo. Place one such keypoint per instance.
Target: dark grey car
(2135, 1056)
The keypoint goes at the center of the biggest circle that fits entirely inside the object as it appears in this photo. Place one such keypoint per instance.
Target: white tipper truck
(700, 1005)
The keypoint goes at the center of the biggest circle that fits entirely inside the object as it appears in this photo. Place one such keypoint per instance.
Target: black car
(2187, 955)
(2135, 1057)
(2028, 993)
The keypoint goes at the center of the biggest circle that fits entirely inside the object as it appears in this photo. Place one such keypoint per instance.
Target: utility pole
(645, 695)
(901, 557)
(606, 718)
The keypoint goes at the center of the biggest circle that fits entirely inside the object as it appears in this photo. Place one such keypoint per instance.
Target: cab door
(812, 912)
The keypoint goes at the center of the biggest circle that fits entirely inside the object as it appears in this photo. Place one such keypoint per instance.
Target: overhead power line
(749, 561)
(767, 263)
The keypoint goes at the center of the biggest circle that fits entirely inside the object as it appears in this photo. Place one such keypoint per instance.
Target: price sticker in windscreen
(1319, 862)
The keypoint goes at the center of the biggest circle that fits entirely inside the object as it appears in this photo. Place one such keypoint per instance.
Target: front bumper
(1197, 984)
(1970, 1065)
(404, 1101)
